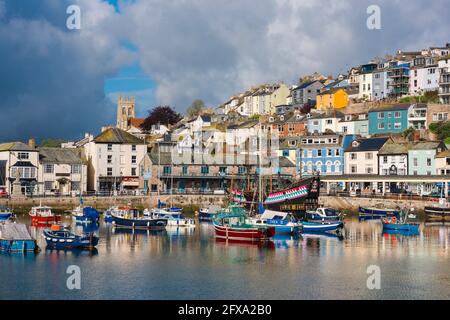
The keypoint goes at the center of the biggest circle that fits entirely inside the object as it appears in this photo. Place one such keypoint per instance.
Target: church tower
(126, 109)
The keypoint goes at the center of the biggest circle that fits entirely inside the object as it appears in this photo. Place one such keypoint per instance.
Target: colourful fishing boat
(15, 237)
(233, 226)
(43, 215)
(60, 237)
(397, 225)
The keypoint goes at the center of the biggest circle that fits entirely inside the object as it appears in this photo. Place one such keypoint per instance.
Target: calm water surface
(191, 264)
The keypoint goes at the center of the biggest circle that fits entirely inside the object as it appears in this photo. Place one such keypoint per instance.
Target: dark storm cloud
(51, 79)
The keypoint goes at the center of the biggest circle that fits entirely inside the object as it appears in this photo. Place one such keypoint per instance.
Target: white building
(61, 171)
(22, 158)
(113, 158)
(362, 156)
(393, 159)
(424, 76)
(365, 86)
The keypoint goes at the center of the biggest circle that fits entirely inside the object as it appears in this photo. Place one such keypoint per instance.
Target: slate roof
(371, 144)
(60, 155)
(394, 148)
(15, 146)
(118, 136)
(395, 107)
(426, 145)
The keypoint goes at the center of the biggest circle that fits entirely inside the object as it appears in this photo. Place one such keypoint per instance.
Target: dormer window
(271, 119)
(282, 118)
(355, 143)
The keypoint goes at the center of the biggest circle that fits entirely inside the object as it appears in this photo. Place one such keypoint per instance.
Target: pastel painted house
(335, 98)
(389, 119)
(422, 157)
(322, 154)
(361, 157)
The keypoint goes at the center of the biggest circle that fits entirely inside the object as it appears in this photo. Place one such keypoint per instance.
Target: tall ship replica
(297, 198)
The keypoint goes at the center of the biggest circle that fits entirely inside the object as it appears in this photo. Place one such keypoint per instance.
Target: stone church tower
(126, 109)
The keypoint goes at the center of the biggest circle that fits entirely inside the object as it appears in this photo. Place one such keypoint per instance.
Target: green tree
(441, 129)
(196, 108)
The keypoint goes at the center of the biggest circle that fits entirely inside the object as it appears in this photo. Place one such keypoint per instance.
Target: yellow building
(336, 98)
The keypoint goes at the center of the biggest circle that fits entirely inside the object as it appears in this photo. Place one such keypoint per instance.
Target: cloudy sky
(60, 83)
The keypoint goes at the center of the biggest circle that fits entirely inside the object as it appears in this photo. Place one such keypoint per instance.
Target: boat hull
(436, 213)
(45, 220)
(376, 214)
(321, 227)
(244, 234)
(409, 227)
(206, 216)
(73, 242)
(14, 246)
(5, 216)
(153, 224)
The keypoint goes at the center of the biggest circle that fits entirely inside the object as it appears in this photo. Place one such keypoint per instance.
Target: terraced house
(322, 154)
(389, 119)
(422, 157)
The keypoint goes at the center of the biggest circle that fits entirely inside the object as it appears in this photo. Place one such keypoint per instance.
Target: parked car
(3, 193)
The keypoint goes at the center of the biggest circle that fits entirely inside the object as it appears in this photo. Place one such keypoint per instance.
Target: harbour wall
(193, 202)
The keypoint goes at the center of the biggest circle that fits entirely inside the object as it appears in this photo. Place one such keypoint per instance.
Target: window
(353, 156)
(380, 115)
(415, 172)
(381, 126)
(133, 147)
(109, 147)
(133, 159)
(397, 125)
(344, 129)
(369, 170)
(353, 169)
(205, 170)
(428, 162)
(329, 121)
(48, 168)
(133, 172)
(385, 159)
(76, 186)
(415, 162)
(109, 159)
(167, 170)
(48, 185)
(337, 153)
(285, 153)
(319, 152)
(76, 169)
(329, 152)
(23, 155)
(242, 170)
(397, 114)
(109, 171)
(369, 156)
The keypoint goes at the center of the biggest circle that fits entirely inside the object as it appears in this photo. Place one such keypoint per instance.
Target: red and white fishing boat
(43, 215)
(234, 227)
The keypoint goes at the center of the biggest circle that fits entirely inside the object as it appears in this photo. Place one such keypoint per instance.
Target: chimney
(32, 143)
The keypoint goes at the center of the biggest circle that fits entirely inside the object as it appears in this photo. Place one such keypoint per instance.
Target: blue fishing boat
(85, 214)
(132, 218)
(394, 224)
(5, 213)
(323, 214)
(322, 226)
(377, 213)
(15, 237)
(60, 237)
(283, 222)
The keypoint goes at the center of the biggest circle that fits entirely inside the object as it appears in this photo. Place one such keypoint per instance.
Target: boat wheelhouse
(323, 214)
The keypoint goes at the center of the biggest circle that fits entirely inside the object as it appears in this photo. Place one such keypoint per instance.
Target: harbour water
(191, 264)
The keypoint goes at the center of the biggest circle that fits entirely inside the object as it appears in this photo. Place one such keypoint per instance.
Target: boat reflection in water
(245, 243)
(179, 232)
(86, 227)
(412, 232)
(55, 252)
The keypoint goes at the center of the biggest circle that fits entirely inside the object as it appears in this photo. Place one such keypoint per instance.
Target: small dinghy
(132, 218)
(59, 237)
(394, 224)
(174, 217)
